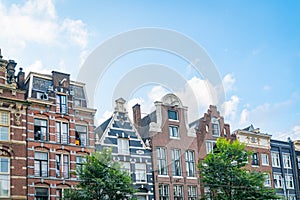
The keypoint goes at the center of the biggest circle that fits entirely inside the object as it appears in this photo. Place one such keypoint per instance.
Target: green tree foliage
(101, 178)
(225, 178)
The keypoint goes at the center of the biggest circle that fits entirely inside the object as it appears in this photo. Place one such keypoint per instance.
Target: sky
(254, 46)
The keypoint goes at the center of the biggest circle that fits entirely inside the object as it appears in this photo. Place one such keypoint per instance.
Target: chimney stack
(137, 114)
(21, 79)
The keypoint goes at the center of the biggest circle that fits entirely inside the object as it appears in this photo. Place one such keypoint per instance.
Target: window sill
(177, 176)
(191, 177)
(173, 120)
(265, 165)
(163, 176)
(254, 165)
(175, 138)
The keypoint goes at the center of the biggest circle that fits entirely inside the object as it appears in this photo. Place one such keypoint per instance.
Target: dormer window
(172, 115)
(215, 127)
(61, 104)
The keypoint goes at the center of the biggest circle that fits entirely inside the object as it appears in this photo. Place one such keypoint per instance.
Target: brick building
(60, 132)
(128, 148)
(12, 132)
(174, 148)
(259, 143)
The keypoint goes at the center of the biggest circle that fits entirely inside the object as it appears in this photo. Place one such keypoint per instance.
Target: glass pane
(3, 133)
(4, 165)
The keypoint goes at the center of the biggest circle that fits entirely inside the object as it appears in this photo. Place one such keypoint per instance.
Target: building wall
(13, 134)
(46, 109)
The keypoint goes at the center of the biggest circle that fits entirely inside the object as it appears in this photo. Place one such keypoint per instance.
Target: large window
(140, 172)
(80, 160)
(277, 180)
(62, 165)
(275, 159)
(265, 159)
(123, 146)
(289, 181)
(164, 193)
(61, 104)
(4, 125)
(176, 163)
(192, 192)
(41, 193)
(40, 129)
(4, 177)
(267, 181)
(287, 161)
(210, 146)
(215, 127)
(172, 114)
(81, 135)
(190, 163)
(178, 192)
(255, 160)
(161, 161)
(40, 164)
(62, 132)
(173, 131)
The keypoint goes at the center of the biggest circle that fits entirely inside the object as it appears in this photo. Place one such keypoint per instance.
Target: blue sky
(255, 46)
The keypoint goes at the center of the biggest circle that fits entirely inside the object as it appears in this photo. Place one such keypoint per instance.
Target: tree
(224, 177)
(101, 178)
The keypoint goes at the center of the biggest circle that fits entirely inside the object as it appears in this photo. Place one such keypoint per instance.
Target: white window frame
(210, 145)
(61, 104)
(176, 118)
(192, 192)
(298, 161)
(176, 162)
(190, 163)
(123, 146)
(40, 162)
(287, 164)
(62, 137)
(42, 134)
(4, 125)
(125, 167)
(140, 172)
(173, 133)
(278, 180)
(178, 192)
(267, 182)
(60, 170)
(289, 181)
(265, 159)
(215, 127)
(82, 133)
(164, 192)
(48, 191)
(5, 177)
(275, 159)
(161, 157)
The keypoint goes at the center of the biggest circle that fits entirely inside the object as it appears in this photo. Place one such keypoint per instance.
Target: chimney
(137, 114)
(21, 79)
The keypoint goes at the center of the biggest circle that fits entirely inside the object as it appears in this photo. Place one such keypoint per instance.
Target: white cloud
(230, 108)
(228, 82)
(157, 93)
(76, 31)
(106, 115)
(37, 66)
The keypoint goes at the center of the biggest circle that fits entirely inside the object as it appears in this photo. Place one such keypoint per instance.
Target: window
(289, 181)
(125, 167)
(210, 146)
(172, 114)
(81, 135)
(277, 180)
(123, 146)
(140, 172)
(58, 195)
(41, 194)
(4, 125)
(164, 193)
(275, 159)
(190, 163)
(287, 161)
(62, 133)
(178, 192)
(40, 129)
(192, 192)
(267, 181)
(173, 131)
(176, 163)
(40, 164)
(141, 197)
(255, 160)
(265, 159)
(80, 160)
(298, 161)
(215, 127)
(291, 197)
(62, 165)
(61, 104)
(4, 177)
(161, 161)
